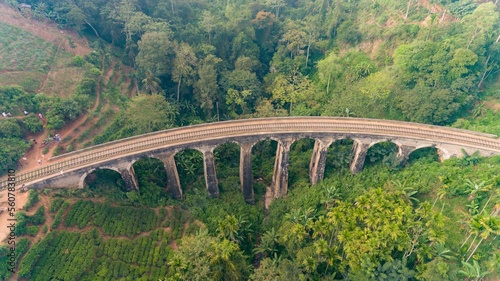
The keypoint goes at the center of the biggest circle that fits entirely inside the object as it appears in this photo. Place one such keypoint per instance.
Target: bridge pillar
(246, 171)
(404, 152)
(129, 177)
(318, 159)
(443, 154)
(210, 173)
(360, 149)
(279, 185)
(173, 182)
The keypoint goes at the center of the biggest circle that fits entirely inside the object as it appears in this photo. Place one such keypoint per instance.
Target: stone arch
(442, 152)
(279, 182)
(264, 150)
(226, 162)
(225, 142)
(209, 170)
(301, 152)
(381, 140)
(340, 154)
(81, 181)
(189, 165)
(374, 156)
(156, 171)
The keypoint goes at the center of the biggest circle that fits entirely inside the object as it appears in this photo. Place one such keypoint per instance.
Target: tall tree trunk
(473, 37)
(179, 87)
(328, 85)
(442, 17)
(307, 56)
(474, 249)
(485, 74)
(408, 5)
(472, 243)
(484, 207)
(466, 240)
(95, 31)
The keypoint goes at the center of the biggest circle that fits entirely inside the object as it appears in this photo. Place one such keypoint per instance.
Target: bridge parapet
(441, 137)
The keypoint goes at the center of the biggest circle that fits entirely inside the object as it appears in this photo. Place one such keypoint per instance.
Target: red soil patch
(493, 105)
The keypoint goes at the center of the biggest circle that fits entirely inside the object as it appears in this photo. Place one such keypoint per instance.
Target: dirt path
(68, 130)
(70, 133)
(45, 30)
(20, 201)
(49, 32)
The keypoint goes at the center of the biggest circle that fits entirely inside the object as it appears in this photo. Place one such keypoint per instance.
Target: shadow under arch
(227, 164)
(103, 180)
(152, 180)
(189, 163)
(263, 160)
(150, 169)
(425, 153)
(300, 158)
(339, 156)
(383, 151)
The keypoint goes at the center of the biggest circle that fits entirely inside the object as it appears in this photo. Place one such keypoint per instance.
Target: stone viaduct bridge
(71, 169)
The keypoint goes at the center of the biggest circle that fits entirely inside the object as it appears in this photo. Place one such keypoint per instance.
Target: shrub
(78, 61)
(32, 199)
(39, 217)
(57, 151)
(32, 230)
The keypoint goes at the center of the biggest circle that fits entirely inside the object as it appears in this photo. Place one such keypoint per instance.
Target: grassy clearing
(63, 76)
(35, 64)
(29, 80)
(22, 51)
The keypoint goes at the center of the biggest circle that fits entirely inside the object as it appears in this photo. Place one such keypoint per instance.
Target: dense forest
(423, 61)
(196, 61)
(428, 221)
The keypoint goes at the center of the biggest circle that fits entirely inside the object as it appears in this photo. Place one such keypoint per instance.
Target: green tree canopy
(203, 257)
(148, 113)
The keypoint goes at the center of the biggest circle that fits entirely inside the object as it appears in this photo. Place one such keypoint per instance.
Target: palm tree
(471, 159)
(473, 271)
(442, 252)
(474, 188)
(151, 83)
(473, 207)
(330, 194)
(268, 243)
(226, 261)
(229, 228)
(490, 225)
(475, 228)
(302, 217)
(408, 191)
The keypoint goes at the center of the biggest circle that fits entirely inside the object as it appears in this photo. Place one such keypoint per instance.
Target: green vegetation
(24, 53)
(32, 199)
(198, 61)
(21, 248)
(114, 221)
(29, 54)
(59, 216)
(429, 219)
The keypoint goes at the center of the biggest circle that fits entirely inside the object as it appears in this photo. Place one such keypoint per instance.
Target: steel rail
(252, 127)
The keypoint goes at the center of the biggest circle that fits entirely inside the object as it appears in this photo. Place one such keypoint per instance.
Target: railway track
(252, 127)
